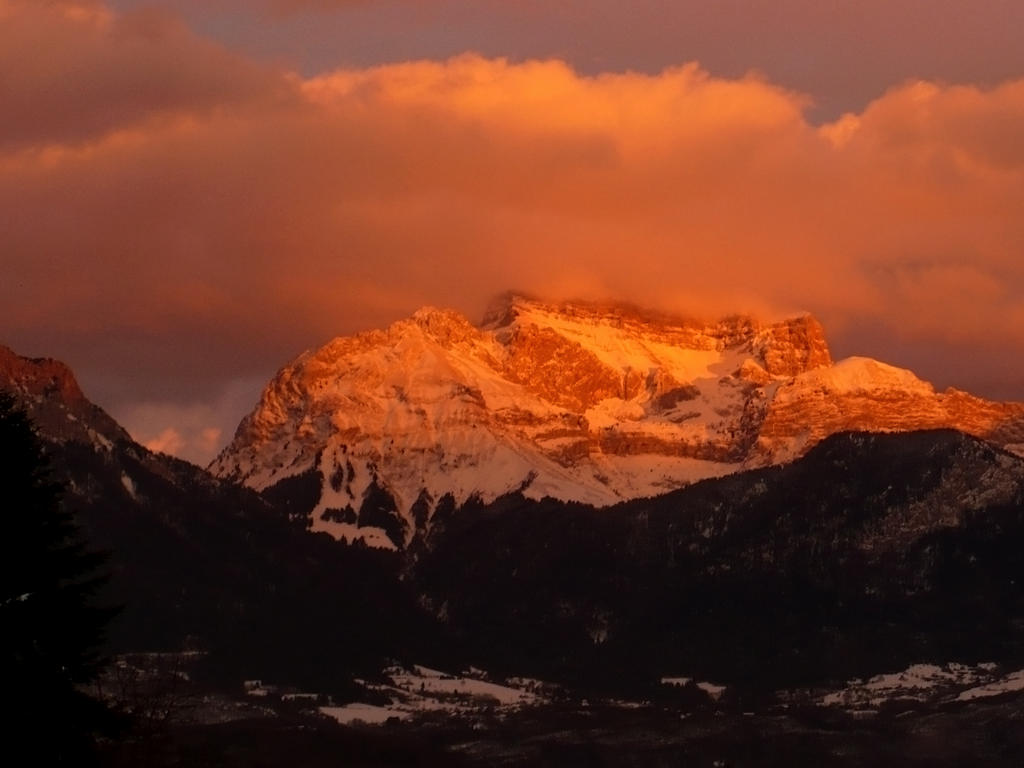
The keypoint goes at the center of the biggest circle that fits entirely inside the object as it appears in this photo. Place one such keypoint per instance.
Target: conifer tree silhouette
(50, 630)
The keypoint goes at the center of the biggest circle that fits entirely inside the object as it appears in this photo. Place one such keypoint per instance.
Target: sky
(195, 192)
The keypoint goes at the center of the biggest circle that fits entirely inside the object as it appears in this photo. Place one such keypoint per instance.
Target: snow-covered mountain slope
(576, 401)
(863, 394)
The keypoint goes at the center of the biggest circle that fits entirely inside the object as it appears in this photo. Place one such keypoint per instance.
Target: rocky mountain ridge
(576, 401)
(49, 392)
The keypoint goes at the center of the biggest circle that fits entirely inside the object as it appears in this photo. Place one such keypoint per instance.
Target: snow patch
(100, 441)
(419, 690)
(367, 714)
(855, 375)
(925, 682)
(678, 682)
(712, 690)
(434, 682)
(1009, 683)
(129, 486)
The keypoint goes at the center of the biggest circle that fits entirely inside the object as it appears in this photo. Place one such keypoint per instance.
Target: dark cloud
(73, 71)
(843, 53)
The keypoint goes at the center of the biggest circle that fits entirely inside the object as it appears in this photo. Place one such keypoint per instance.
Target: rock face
(576, 401)
(47, 389)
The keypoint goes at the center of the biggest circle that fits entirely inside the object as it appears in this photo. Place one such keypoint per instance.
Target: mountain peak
(507, 307)
(48, 390)
(587, 401)
(443, 325)
(37, 376)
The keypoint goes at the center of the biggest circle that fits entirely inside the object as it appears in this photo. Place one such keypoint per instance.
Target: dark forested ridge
(196, 563)
(872, 552)
(201, 564)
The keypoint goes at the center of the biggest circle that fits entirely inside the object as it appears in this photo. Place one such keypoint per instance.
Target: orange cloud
(210, 219)
(198, 446)
(168, 441)
(195, 431)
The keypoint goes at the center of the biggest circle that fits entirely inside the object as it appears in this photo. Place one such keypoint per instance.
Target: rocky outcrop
(563, 372)
(792, 347)
(49, 392)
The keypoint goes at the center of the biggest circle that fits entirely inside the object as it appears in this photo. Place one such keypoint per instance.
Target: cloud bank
(178, 218)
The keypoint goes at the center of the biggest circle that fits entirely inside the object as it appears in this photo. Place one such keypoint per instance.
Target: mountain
(370, 435)
(869, 552)
(200, 563)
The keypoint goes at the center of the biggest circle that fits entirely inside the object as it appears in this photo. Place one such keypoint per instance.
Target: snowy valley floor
(927, 715)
